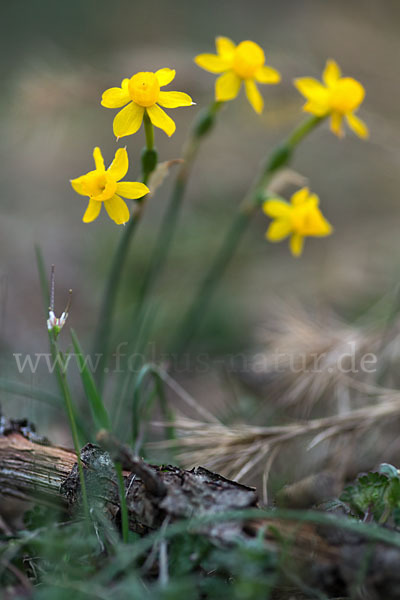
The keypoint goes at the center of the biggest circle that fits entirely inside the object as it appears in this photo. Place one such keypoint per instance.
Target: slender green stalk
(202, 126)
(122, 500)
(60, 371)
(103, 331)
(149, 132)
(63, 383)
(252, 201)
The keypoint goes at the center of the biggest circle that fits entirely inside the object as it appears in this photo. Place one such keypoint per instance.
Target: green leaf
(100, 415)
(27, 391)
(368, 495)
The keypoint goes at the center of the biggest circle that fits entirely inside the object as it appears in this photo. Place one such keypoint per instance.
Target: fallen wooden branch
(327, 558)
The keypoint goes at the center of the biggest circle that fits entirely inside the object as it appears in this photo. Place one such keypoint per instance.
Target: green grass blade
(100, 415)
(27, 391)
(143, 404)
(44, 284)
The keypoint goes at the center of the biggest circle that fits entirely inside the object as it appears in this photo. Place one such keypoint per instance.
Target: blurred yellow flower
(142, 92)
(244, 62)
(339, 98)
(105, 186)
(299, 219)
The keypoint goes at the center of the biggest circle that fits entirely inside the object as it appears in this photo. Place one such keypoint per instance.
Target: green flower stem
(122, 499)
(149, 153)
(252, 201)
(103, 332)
(202, 126)
(149, 132)
(102, 336)
(64, 387)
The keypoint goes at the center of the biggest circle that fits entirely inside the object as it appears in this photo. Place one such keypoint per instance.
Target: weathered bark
(328, 559)
(32, 471)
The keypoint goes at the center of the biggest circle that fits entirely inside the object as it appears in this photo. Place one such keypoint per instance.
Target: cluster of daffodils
(142, 99)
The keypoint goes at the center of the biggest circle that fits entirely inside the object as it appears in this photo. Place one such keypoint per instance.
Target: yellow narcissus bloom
(105, 186)
(142, 92)
(299, 219)
(242, 63)
(338, 97)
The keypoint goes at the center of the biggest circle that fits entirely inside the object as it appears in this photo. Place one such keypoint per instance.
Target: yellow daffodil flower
(105, 186)
(338, 97)
(299, 219)
(142, 92)
(242, 63)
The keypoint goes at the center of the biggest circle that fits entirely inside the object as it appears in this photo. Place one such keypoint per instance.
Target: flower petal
(117, 210)
(225, 47)
(276, 208)
(92, 211)
(278, 230)
(300, 196)
(132, 189)
(320, 226)
(254, 96)
(312, 89)
(296, 244)
(227, 86)
(128, 120)
(212, 63)
(267, 75)
(78, 186)
(98, 159)
(313, 200)
(331, 72)
(174, 99)
(358, 126)
(316, 109)
(165, 76)
(115, 97)
(354, 92)
(160, 119)
(119, 166)
(336, 124)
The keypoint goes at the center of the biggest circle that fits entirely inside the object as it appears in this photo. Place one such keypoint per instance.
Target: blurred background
(56, 59)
